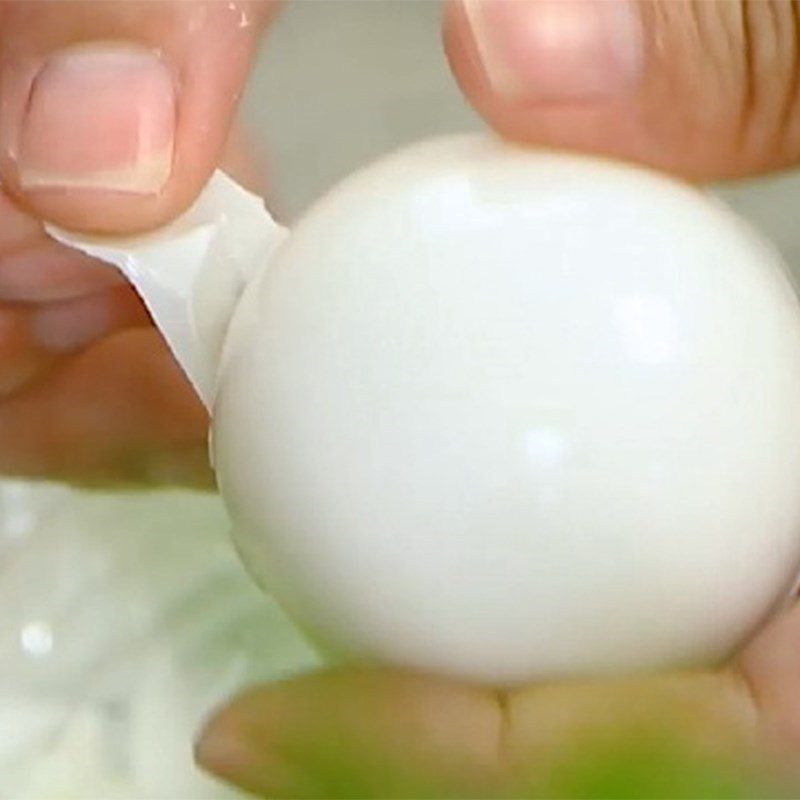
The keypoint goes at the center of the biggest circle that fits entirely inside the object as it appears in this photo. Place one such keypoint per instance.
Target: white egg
(510, 415)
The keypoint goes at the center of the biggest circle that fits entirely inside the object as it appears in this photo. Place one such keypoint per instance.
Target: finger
(383, 734)
(21, 359)
(771, 666)
(705, 90)
(357, 734)
(35, 268)
(119, 411)
(43, 270)
(32, 336)
(688, 726)
(71, 325)
(114, 114)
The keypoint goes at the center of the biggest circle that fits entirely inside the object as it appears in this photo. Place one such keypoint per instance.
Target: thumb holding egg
(702, 90)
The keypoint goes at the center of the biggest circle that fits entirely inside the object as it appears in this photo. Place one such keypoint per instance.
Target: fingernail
(99, 117)
(558, 50)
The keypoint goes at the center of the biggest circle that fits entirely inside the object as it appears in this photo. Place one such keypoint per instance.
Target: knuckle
(732, 72)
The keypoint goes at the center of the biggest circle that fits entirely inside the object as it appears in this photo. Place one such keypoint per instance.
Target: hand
(705, 90)
(105, 137)
(112, 117)
(372, 733)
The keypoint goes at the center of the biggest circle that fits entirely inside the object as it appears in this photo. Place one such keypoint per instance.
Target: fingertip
(240, 745)
(223, 749)
(371, 732)
(114, 119)
(518, 81)
(702, 90)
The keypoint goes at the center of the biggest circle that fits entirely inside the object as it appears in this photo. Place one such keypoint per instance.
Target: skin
(88, 393)
(458, 740)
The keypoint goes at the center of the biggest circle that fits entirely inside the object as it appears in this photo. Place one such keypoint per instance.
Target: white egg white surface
(511, 415)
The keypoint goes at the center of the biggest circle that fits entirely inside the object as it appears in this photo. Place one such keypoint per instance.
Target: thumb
(113, 114)
(705, 90)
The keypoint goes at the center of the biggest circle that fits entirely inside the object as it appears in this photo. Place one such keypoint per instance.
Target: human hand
(709, 91)
(87, 389)
(112, 117)
(733, 731)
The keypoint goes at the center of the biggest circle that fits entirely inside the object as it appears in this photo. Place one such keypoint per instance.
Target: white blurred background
(124, 618)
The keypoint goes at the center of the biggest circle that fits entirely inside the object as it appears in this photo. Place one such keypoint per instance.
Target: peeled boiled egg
(509, 415)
